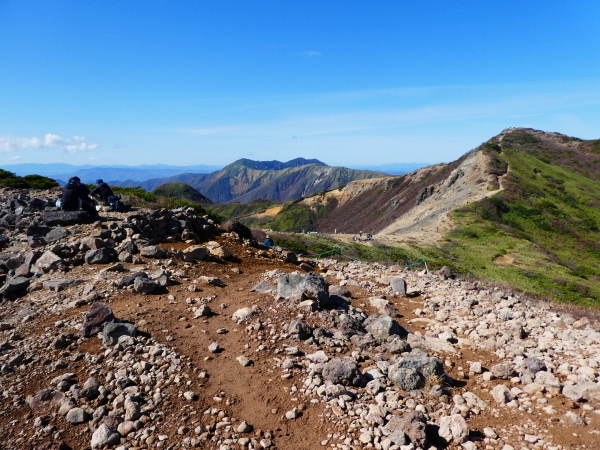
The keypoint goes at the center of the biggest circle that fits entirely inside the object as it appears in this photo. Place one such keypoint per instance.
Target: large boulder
(49, 261)
(406, 378)
(411, 372)
(99, 256)
(143, 285)
(128, 280)
(152, 251)
(233, 225)
(15, 284)
(195, 252)
(53, 218)
(56, 233)
(342, 371)
(411, 425)
(113, 331)
(427, 365)
(104, 436)
(384, 326)
(44, 399)
(398, 285)
(309, 285)
(454, 428)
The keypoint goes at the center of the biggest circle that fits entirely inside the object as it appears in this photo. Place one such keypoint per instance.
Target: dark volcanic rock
(142, 285)
(15, 284)
(53, 218)
(309, 285)
(45, 398)
(153, 251)
(95, 318)
(406, 378)
(113, 331)
(99, 256)
(236, 226)
(342, 371)
(384, 326)
(128, 280)
(56, 233)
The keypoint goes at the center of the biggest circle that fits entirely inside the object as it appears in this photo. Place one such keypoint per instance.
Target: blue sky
(347, 82)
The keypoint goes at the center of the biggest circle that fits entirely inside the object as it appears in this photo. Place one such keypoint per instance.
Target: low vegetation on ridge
(540, 233)
(11, 180)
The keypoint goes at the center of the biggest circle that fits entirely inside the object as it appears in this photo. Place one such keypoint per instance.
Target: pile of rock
(37, 243)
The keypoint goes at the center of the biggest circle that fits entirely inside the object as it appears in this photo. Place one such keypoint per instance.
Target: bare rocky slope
(413, 207)
(158, 330)
(418, 207)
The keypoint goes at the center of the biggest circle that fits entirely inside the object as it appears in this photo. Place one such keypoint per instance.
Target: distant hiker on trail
(75, 196)
(268, 241)
(102, 191)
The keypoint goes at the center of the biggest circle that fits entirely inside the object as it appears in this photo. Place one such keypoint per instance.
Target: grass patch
(326, 247)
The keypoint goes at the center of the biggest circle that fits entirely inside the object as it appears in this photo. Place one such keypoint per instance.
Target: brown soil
(258, 393)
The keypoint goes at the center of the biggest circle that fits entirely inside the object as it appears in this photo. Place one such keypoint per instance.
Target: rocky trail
(161, 330)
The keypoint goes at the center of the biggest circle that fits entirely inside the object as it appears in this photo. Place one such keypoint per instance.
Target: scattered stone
(214, 348)
(113, 331)
(76, 416)
(190, 396)
(152, 251)
(244, 361)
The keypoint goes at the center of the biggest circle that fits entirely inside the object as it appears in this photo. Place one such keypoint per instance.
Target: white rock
(190, 396)
(501, 394)
(104, 436)
(293, 414)
(243, 314)
(454, 428)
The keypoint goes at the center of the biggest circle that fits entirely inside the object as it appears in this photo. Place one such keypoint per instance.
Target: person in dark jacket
(102, 191)
(75, 196)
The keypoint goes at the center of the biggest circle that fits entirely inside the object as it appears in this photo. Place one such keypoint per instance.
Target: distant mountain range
(110, 174)
(246, 180)
(118, 174)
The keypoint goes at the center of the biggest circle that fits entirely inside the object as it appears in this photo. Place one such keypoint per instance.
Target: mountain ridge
(522, 208)
(246, 180)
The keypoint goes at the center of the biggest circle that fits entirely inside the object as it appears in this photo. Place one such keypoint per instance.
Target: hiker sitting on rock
(102, 191)
(268, 241)
(75, 196)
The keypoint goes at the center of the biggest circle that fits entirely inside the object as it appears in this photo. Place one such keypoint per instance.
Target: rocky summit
(158, 329)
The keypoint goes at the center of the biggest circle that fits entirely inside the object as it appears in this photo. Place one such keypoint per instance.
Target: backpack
(115, 203)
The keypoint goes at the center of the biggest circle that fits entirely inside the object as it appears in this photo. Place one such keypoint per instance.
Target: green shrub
(9, 179)
(40, 182)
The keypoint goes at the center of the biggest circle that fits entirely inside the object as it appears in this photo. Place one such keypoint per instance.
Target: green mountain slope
(541, 232)
(181, 191)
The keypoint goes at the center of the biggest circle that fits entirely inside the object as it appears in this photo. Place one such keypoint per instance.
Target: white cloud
(15, 158)
(9, 143)
(311, 53)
